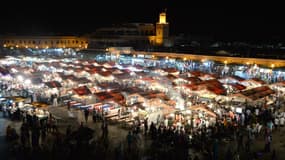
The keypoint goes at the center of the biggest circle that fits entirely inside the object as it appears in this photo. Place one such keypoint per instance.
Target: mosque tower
(162, 29)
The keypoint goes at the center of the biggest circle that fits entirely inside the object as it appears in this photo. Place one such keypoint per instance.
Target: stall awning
(257, 93)
(238, 86)
(69, 77)
(102, 96)
(105, 74)
(82, 91)
(17, 98)
(53, 84)
(39, 105)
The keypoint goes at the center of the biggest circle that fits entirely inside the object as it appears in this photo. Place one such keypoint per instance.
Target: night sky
(254, 21)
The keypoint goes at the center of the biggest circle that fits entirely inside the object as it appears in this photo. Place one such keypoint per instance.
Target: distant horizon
(193, 36)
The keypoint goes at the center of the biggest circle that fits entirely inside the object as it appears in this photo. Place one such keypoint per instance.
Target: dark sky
(214, 19)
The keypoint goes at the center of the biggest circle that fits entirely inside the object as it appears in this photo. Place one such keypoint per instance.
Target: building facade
(137, 35)
(129, 34)
(42, 42)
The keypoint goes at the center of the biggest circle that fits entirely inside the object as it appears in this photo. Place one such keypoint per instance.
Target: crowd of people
(165, 142)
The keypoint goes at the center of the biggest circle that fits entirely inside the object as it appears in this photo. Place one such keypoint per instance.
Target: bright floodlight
(27, 82)
(20, 78)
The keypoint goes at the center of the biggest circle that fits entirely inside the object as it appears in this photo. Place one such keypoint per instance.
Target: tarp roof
(105, 74)
(212, 85)
(122, 76)
(132, 90)
(238, 86)
(82, 91)
(257, 93)
(170, 70)
(215, 86)
(110, 86)
(102, 96)
(70, 77)
(53, 84)
(197, 73)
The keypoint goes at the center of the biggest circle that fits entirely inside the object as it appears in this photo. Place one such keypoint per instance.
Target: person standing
(276, 122)
(94, 115)
(43, 135)
(281, 121)
(22, 135)
(166, 122)
(119, 113)
(104, 128)
(68, 105)
(145, 126)
(86, 114)
(4, 110)
(55, 101)
(32, 98)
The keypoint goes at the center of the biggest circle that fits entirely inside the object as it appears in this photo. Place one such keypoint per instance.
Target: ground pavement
(4, 146)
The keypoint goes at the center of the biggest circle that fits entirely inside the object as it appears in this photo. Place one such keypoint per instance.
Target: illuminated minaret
(162, 29)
